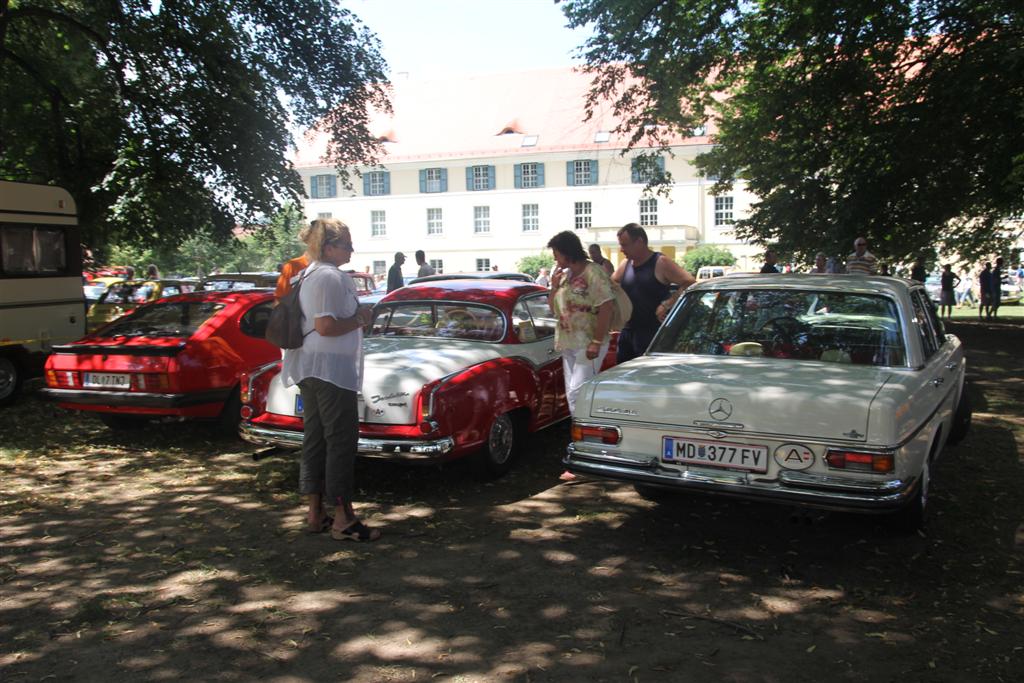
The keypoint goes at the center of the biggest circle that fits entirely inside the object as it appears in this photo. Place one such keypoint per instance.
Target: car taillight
(151, 382)
(62, 379)
(595, 433)
(425, 407)
(860, 461)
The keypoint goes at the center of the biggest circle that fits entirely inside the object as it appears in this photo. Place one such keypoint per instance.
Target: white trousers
(577, 369)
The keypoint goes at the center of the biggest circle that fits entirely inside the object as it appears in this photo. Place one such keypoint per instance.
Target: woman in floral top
(581, 297)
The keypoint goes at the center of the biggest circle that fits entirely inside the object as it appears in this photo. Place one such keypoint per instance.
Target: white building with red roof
(480, 171)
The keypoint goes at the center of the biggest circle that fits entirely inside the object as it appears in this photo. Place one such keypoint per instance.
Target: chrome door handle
(952, 365)
(937, 382)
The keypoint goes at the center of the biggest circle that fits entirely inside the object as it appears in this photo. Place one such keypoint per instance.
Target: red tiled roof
(463, 116)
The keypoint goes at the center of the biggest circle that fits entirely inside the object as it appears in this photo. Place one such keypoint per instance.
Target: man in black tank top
(645, 276)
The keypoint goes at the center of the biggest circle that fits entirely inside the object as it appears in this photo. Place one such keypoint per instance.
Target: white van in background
(708, 272)
(41, 300)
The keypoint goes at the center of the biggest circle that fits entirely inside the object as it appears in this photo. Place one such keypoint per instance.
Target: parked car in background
(1010, 291)
(364, 283)
(485, 274)
(452, 368)
(708, 272)
(180, 357)
(823, 391)
(239, 281)
(97, 286)
(122, 297)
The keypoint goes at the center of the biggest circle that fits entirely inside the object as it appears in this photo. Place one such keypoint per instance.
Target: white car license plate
(731, 456)
(106, 380)
(298, 404)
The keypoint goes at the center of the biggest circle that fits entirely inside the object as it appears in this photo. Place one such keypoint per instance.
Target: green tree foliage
(707, 255)
(161, 118)
(902, 121)
(531, 265)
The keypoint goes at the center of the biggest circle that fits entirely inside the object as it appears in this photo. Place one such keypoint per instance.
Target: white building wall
(685, 219)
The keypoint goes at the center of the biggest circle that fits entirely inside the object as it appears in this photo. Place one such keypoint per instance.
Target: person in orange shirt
(291, 268)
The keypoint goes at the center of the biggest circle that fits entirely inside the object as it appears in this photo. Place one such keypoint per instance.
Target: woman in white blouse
(329, 371)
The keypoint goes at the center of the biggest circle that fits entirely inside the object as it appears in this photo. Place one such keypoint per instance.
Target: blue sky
(430, 37)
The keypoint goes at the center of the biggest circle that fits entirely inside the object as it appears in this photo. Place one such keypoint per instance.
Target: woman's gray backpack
(285, 326)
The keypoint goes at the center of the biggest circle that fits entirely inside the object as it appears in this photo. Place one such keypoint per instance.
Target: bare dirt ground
(169, 554)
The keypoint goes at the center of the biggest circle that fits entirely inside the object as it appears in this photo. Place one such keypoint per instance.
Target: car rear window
(448, 320)
(836, 327)
(180, 319)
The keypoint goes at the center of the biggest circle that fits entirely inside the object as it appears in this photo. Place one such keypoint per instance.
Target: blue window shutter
(568, 173)
(444, 180)
(332, 187)
(540, 175)
(387, 182)
(517, 171)
(313, 193)
(366, 184)
(491, 181)
(635, 171)
(469, 178)
(661, 165)
(423, 180)
(593, 171)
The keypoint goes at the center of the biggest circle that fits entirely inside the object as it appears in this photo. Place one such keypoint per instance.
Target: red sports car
(180, 356)
(452, 368)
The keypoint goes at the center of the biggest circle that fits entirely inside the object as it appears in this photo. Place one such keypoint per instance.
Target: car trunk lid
(755, 395)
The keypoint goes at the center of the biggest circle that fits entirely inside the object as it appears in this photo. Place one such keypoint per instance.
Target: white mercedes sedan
(830, 391)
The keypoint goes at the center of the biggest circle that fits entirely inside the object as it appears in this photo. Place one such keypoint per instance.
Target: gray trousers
(330, 438)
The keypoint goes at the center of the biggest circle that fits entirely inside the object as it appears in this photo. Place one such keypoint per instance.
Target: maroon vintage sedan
(452, 368)
(180, 356)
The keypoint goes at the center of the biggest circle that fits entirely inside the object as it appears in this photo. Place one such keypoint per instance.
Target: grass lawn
(1008, 311)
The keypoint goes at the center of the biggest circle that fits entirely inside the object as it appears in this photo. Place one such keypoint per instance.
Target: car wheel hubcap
(499, 443)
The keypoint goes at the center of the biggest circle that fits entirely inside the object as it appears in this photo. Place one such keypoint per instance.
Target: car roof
(223, 296)
(482, 275)
(475, 290)
(877, 284)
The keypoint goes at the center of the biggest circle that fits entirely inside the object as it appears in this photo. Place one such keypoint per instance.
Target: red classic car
(180, 356)
(452, 368)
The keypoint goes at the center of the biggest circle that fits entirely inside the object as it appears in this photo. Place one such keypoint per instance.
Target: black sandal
(356, 531)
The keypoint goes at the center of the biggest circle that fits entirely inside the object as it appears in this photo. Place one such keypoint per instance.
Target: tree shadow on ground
(170, 555)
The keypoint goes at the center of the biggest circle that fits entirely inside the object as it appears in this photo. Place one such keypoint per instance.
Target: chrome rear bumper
(393, 449)
(793, 487)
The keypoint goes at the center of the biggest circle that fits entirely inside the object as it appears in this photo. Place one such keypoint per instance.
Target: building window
(581, 172)
(479, 178)
(378, 224)
(583, 215)
(437, 264)
(723, 210)
(380, 268)
(435, 225)
(646, 169)
(481, 220)
(531, 218)
(648, 211)
(483, 265)
(325, 214)
(529, 175)
(376, 183)
(323, 187)
(434, 180)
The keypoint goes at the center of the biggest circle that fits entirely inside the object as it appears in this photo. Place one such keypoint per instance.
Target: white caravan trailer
(41, 299)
